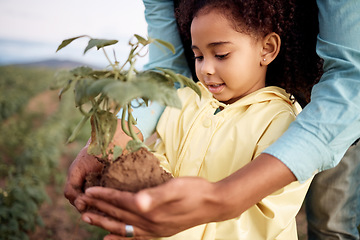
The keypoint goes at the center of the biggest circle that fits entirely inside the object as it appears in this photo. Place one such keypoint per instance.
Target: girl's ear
(270, 48)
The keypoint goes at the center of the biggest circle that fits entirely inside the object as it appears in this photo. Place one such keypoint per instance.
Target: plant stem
(107, 57)
(123, 122)
(130, 124)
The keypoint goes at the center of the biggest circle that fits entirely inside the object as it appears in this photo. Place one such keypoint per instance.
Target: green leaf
(80, 91)
(4, 213)
(163, 93)
(82, 71)
(122, 92)
(94, 148)
(117, 152)
(172, 76)
(166, 44)
(66, 42)
(184, 81)
(99, 43)
(97, 86)
(13, 225)
(134, 145)
(148, 86)
(191, 84)
(103, 127)
(39, 221)
(61, 79)
(153, 75)
(77, 129)
(105, 74)
(64, 89)
(142, 40)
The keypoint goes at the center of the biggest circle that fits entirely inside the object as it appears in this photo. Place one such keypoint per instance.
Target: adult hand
(85, 163)
(185, 202)
(80, 167)
(156, 212)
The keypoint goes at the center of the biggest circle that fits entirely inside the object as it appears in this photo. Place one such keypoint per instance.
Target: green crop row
(18, 85)
(29, 155)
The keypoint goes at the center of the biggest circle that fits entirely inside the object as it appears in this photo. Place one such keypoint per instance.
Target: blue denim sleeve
(330, 123)
(159, 15)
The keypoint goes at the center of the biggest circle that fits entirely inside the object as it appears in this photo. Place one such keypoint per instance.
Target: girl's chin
(225, 100)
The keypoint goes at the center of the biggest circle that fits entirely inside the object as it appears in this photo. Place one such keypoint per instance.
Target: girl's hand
(156, 212)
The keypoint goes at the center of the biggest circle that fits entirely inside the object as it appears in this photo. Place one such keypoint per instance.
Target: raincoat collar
(261, 95)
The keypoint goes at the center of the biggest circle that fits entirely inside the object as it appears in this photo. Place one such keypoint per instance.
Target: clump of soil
(130, 172)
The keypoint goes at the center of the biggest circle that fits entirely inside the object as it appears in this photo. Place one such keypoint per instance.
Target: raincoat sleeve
(170, 119)
(270, 216)
(156, 143)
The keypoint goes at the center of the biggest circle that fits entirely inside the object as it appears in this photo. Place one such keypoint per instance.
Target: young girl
(244, 52)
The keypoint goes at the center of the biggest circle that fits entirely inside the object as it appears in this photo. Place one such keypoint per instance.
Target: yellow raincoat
(194, 141)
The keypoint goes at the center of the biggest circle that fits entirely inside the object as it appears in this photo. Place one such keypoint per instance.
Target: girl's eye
(198, 58)
(222, 56)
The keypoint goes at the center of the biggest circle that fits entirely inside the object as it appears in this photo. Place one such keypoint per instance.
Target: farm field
(34, 158)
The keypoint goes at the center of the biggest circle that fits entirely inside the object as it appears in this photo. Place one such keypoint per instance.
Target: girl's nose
(207, 68)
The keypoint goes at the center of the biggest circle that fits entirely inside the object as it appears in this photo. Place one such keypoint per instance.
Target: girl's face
(227, 62)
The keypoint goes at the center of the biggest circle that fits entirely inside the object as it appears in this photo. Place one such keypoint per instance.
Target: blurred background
(32, 30)
(34, 124)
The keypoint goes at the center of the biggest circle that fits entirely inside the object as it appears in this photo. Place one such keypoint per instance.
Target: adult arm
(330, 123)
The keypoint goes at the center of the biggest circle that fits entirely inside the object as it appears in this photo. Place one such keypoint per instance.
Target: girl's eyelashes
(218, 56)
(222, 56)
(198, 58)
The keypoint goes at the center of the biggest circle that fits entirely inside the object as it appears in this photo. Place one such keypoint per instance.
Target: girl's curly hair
(297, 67)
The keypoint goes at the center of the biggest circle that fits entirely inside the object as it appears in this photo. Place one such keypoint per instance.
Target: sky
(31, 30)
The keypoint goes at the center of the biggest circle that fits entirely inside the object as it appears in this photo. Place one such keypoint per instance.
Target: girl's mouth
(216, 88)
